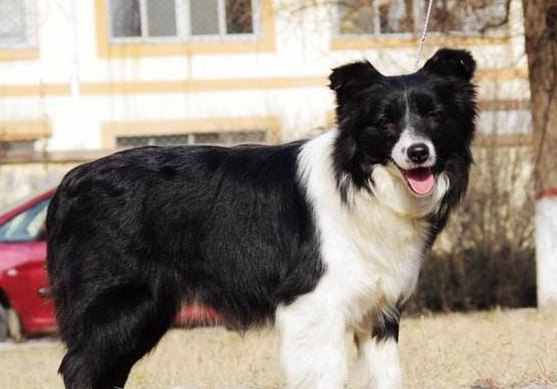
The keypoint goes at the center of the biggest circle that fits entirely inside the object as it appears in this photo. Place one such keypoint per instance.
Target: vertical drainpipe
(75, 85)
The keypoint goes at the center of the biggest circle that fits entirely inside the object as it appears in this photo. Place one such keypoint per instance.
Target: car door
(25, 280)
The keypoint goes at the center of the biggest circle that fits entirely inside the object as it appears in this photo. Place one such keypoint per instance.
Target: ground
(507, 349)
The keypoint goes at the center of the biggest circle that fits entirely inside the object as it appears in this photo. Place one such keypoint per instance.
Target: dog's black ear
(451, 63)
(352, 77)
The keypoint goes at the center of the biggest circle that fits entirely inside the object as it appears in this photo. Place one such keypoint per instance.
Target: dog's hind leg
(118, 328)
(312, 345)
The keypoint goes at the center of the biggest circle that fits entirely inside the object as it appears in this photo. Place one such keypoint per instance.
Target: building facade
(90, 76)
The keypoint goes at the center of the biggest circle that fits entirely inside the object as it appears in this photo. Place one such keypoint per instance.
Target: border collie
(317, 236)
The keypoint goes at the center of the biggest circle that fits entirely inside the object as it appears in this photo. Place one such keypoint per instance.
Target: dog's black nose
(418, 153)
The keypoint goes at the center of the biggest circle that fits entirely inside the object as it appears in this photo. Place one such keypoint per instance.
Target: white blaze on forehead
(407, 138)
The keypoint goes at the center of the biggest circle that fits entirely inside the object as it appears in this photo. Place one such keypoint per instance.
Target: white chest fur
(372, 248)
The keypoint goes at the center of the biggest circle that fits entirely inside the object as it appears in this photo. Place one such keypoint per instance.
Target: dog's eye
(433, 116)
(386, 124)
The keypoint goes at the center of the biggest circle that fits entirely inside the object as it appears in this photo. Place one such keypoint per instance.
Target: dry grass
(501, 348)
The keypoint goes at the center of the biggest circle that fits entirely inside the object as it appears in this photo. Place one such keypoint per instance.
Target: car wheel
(15, 328)
(3, 324)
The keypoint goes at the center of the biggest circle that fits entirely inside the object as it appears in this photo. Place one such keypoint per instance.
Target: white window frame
(29, 19)
(183, 25)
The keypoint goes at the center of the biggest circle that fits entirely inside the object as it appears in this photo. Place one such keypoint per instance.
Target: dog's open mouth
(420, 180)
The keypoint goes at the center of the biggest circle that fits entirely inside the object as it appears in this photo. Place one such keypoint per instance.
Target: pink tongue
(421, 180)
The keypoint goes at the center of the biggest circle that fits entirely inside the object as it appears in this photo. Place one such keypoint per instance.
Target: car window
(26, 226)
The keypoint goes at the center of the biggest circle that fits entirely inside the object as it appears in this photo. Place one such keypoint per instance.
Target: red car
(24, 304)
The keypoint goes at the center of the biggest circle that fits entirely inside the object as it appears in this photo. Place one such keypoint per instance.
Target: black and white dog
(318, 236)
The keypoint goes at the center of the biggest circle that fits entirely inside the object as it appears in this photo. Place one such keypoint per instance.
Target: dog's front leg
(312, 345)
(378, 365)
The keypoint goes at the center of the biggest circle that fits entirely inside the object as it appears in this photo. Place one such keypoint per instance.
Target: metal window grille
(226, 138)
(16, 147)
(382, 17)
(16, 23)
(181, 19)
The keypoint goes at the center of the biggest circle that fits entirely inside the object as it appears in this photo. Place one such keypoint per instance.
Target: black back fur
(133, 235)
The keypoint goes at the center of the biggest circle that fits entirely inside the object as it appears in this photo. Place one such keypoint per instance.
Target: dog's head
(418, 127)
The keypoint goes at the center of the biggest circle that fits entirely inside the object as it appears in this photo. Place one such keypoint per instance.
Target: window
(375, 16)
(16, 28)
(379, 17)
(205, 138)
(239, 16)
(183, 19)
(26, 226)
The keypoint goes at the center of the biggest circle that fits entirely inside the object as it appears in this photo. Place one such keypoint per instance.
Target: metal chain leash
(422, 40)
